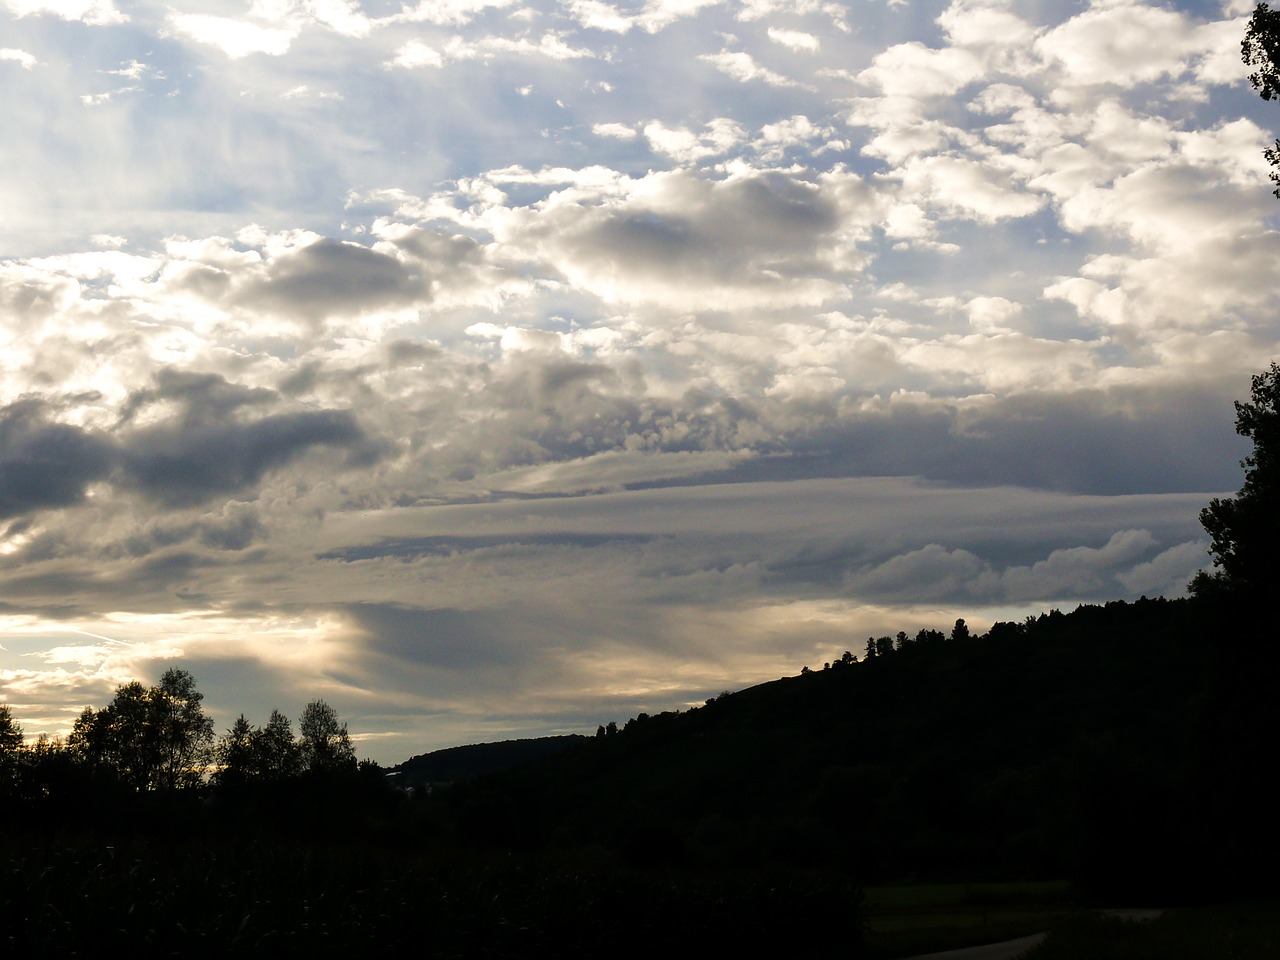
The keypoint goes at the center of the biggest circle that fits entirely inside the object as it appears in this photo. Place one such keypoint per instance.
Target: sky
(494, 369)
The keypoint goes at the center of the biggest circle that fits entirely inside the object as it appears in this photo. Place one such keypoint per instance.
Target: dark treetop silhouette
(1246, 528)
(1261, 49)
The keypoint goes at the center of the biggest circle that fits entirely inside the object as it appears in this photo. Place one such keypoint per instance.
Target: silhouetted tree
(236, 755)
(325, 743)
(279, 754)
(960, 631)
(10, 749)
(151, 738)
(1245, 529)
(1261, 49)
(10, 731)
(183, 733)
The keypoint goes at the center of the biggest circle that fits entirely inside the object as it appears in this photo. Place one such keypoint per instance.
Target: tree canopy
(1260, 49)
(1245, 529)
(325, 744)
(152, 738)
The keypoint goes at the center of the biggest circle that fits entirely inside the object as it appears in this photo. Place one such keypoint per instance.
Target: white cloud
(415, 53)
(20, 57)
(685, 146)
(967, 188)
(1123, 44)
(618, 131)
(794, 39)
(741, 66)
(235, 38)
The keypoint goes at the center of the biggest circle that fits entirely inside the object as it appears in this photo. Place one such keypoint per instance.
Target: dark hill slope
(478, 759)
(1074, 744)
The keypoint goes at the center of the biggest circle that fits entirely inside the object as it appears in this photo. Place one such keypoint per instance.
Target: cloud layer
(457, 364)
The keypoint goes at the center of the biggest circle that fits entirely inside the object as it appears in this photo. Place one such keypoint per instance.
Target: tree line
(159, 739)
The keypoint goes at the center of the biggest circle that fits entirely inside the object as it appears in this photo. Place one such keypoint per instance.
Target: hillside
(1094, 744)
(478, 759)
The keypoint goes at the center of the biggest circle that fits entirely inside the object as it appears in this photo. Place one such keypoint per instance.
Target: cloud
(205, 448)
(452, 12)
(235, 38)
(743, 67)
(1126, 43)
(546, 360)
(325, 277)
(44, 463)
(794, 39)
(755, 238)
(95, 13)
(20, 57)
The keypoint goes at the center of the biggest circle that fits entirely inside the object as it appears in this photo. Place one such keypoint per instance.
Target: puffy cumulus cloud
(930, 573)
(911, 71)
(967, 188)
(327, 277)
(1077, 571)
(754, 238)
(1127, 43)
(1128, 562)
(991, 314)
(685, 146)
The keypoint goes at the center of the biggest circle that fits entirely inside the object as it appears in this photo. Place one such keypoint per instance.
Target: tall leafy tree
(325, 743)
(151, 738)
(183, 733)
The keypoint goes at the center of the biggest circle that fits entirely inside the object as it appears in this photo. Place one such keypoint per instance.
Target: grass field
(905, 920)
(1236, 931)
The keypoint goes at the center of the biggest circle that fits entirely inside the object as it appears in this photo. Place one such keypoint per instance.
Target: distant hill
(1116, 744)
(468, 762)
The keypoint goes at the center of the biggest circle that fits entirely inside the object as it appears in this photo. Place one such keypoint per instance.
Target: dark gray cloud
(330, 277)
(445, 639)
(44, 463)
(205, 450)
(186, 463)
(201, 396)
